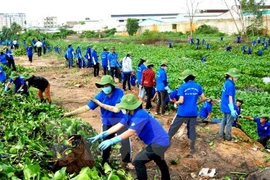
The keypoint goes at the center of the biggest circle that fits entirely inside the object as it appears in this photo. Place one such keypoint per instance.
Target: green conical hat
(129, 102)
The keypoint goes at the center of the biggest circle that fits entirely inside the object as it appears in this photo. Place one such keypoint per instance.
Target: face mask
(165, 68)
(107, 90)
(235, 79)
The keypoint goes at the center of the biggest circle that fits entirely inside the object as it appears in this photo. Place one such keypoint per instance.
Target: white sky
(68, 10)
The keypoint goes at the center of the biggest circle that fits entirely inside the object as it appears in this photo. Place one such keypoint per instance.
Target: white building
(50, 22)
(6, 19)
(120, 20)
(89, 25)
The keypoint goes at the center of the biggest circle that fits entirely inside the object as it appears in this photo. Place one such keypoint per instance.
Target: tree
(132, 26)
(15, 28)
(191, 7)
(251, 7)
(6, 32)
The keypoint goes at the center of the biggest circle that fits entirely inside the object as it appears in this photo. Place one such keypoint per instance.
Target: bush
(253, 30)
(206, 29)
(149, 37)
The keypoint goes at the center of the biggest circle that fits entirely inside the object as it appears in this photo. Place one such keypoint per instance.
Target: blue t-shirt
(238, 110)
(133, 80)
(79, 53)
(108, 117)
(191, 92)
(148, 129)
(227, 90)
(112, 57)
(94, 56)
(88, 53)
(140, 70)
(43, 43)
(70, 52)
(262, 130)
(29, 51)
(206, 109)
(174, 95)
(104, 58)
(161, 79)
(18, 82)
(2, 75)
(3, 59)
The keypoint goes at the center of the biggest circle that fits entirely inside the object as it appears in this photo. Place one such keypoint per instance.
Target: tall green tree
(132, 26)
(15, 28)
(6, 33)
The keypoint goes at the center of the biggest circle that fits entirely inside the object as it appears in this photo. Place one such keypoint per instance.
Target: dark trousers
(39, 51)
(148, 91)
(96, 69)
(151, 152)
(11, 62)
(127, 80)
(44, 50)
(125, 148)
(105, 70)
(30, 58)
(114, 72)
(35, 48)
(263, 140)
(118, 74)
(89, 63)
(161, 101)
(80, 63)
(191, 128)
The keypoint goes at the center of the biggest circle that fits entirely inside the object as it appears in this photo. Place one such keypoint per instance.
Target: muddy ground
(228, 158)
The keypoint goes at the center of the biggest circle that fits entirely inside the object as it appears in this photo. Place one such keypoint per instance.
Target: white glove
(109, 68)
(168, 89)
(20, 90)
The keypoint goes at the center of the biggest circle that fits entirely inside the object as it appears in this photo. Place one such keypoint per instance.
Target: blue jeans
(226, 123)
(70, 62)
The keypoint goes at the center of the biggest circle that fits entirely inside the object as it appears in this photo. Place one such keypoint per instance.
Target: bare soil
(228, 158)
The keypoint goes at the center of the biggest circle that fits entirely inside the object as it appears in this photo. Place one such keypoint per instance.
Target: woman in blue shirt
(104, 60)
(70, 55)
(263, 128)
(147, 128)
(95, 61)
(140, 68)
(227, 105)
(110, 95)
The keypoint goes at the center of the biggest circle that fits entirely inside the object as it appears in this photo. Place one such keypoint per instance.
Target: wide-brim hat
(186, 73)
(266, 116)
(233, 72)
(26, 75)
(148, 63)
(14, 75)
(144, 58)
(164, 63)
(129, 102)
(107, 79)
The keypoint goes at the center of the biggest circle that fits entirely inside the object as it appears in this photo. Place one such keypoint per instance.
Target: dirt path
(225, 156)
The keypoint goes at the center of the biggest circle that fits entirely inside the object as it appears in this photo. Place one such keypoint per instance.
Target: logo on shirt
(133, 124)
(191, 93)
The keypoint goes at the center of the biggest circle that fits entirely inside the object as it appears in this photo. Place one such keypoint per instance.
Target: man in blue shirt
(229, 48)
(112, 62)
(20, 84)
(44, 45)
(95, 61)
(162, 87)
(110, 95)
(70, 55)
(147, 128)
(104, 60)
(29, 51)
(263, 128)
(10, 59)
(34, 44)
(227, 105)
(188, 93)
(79, 57)
(88, 56)
(206, 109)
(238, 40)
